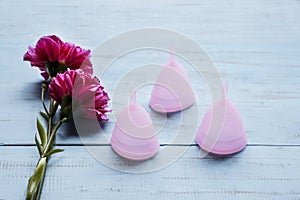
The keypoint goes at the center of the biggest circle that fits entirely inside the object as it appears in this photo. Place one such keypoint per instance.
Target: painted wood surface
(255, 46)
(255, 173)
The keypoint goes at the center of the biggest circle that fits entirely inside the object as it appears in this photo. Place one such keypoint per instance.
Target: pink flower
(84, 90)
(51, 55)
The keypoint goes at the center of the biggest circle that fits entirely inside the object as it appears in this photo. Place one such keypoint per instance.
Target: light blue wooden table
(255, 46)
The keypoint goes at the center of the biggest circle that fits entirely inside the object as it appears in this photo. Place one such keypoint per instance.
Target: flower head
(51, 55)
(77, 88)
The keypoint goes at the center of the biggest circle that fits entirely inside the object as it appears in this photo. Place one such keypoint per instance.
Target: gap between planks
(162, 145)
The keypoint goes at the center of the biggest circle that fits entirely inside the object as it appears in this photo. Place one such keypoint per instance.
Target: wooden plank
(255, 45)
(256, 173)
(260, 108)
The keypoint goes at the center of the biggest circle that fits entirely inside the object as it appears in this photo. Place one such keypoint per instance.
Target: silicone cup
(134, 136)
(232, 137)
(172, 91)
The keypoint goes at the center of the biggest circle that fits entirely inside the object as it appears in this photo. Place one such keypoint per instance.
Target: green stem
(51, 134)
(48, 148)
(49, 130)
(42, 97)
(38, 193)
(50, 118)
(50, 141)
(49, 127)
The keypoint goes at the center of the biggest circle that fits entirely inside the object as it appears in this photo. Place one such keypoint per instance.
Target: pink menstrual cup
(172, 91)
(134, 136)
(230, 137)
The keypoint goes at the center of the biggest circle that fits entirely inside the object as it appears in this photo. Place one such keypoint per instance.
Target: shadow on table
(85, 128)
(33, 91)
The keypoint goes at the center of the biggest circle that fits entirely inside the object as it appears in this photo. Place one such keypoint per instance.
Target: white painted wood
(255, 46)
(255, 173)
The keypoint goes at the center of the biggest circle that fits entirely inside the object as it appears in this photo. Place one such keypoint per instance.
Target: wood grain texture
(255, 173)
(255, 46)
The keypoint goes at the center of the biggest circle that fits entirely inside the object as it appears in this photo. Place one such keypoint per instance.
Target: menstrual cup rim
(116, 142)
(130, 155)
(114, 137)
(171, 110)
(218, 152)
(242, 139)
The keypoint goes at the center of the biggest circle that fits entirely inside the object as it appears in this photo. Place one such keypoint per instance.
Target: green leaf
(42, 132)
(53, 135)
(53, 151)
(44, 115)
(35, 179)
(39, 147)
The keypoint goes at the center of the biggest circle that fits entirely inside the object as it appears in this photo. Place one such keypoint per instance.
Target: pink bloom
(51, 55)
(85, 91)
